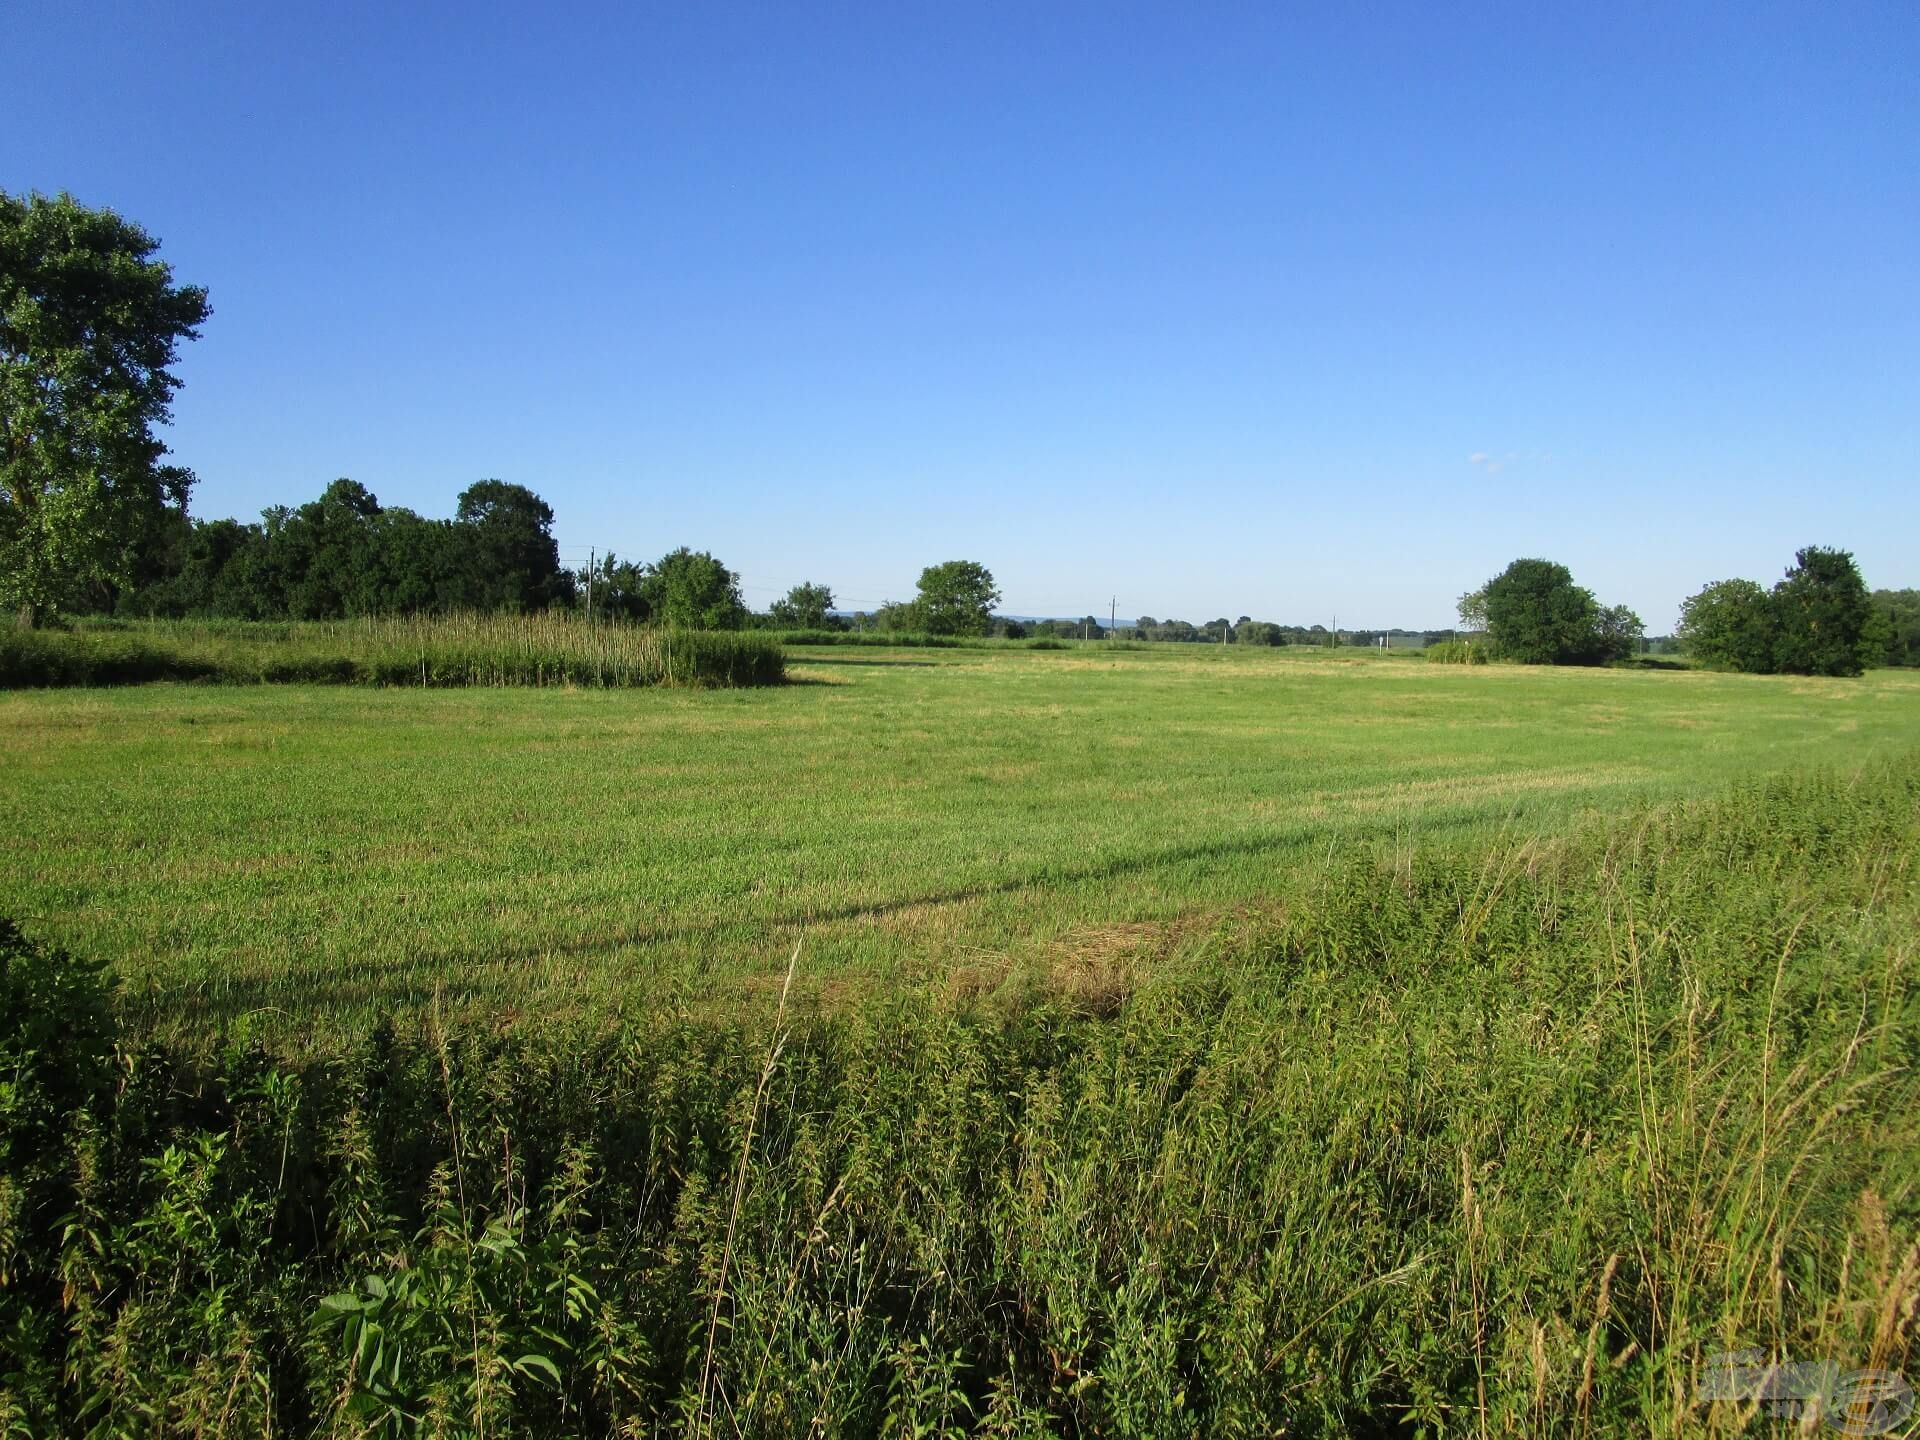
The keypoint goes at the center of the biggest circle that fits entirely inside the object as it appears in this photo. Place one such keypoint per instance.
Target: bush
(1456, 652)
(874, 638)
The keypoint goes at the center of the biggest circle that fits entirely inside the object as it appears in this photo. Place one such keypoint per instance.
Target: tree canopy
(691, 589)
(1534, 613)
(804, 607)
(345, 554)
(1818, 620)
(90, 321)
(1821, 615)
(1538, 616)
(956, 598)
(1729, 625)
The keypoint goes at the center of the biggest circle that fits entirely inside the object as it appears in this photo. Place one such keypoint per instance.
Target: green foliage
(514, 563)
(1730, 625)
(1899, 612)
(90, 321)
(1472, 610)
(345, 555)
(1456, 652)
(1818, 620)
(871, 639)
(956, 598)
(613, 589)
(486, 650)
(1517, 1134)
(692, 590)
(804, 607)
(56, 1038)
(1538, 616)
(1821, 616)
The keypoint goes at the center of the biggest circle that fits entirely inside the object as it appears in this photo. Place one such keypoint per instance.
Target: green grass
(424, 652)
(1503, 1140)
(949, 817)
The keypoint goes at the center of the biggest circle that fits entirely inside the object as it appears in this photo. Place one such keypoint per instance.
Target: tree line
(94, 518)
(1819, 619)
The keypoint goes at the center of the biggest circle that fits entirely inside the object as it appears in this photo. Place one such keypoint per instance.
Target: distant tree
(90, 322)
(1472, 609)
(1821, 615)
(1617, 632)
(693, 590)
(615, 588)
(514, 562)
(1900, 610)
(804, 607)
(1729, 625)
(1536, 614)
(956, 598)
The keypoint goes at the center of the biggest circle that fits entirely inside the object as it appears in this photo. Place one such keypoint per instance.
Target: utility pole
(1113, 609)
(593, 557)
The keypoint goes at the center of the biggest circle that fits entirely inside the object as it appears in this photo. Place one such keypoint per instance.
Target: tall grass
(1509, 1140)
(484, 650)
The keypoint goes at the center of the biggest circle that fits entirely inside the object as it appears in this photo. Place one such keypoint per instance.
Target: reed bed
(461, 650)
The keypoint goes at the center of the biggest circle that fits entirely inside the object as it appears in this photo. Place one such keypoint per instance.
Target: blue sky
(1207, 307)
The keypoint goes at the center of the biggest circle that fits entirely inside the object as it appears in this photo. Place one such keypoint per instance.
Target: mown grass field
(945, 816)
(1185, 1043)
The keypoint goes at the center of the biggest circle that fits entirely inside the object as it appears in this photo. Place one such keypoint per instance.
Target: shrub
(1456, 652)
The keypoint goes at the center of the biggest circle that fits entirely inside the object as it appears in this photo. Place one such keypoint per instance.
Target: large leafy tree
(1822, 613)
(1537, 615)
(956, 598)
(691, 589)
(514, 562)
(1729, 625)
(90, 321)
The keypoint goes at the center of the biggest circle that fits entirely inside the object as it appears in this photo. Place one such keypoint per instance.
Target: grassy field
(1185, 1043)
(957, 816)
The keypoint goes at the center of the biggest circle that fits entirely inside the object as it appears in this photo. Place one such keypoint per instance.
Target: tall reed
(459, 650)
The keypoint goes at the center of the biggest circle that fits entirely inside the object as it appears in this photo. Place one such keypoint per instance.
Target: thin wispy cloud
(1493, 463)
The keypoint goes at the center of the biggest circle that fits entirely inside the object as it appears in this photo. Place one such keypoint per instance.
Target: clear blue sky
(1209, 307)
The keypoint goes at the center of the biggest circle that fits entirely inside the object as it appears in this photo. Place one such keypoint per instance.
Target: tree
(1472, 609)
(1729, 625)
(956, 598)
(804, 607)
(1901, 611)
(1538, 616)
(1617, 632)
(691, 589)
(1821, 615)
(515, 563)
(90, 322)
(614, 589)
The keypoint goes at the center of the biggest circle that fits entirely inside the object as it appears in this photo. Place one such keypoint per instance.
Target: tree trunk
(26, 616)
